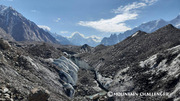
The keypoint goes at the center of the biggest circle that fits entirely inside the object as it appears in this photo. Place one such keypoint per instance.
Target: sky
(99, 18)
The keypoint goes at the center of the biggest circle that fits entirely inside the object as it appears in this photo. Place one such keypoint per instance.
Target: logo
(110, 94)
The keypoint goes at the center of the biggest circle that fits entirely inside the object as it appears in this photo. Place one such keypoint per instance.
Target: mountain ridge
(148, 27)
(143, 62)
(20, 28)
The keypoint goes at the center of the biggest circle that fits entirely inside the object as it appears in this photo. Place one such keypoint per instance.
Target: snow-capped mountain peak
(77, 35)
(79, 39)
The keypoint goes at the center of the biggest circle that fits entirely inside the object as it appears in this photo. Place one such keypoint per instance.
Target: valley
(37, 65)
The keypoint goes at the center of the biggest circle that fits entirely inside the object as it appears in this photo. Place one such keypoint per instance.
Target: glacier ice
(68, 73)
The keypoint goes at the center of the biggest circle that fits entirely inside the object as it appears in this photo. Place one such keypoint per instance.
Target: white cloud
(150, 2)
(130, 8)
(44, 27)
(95, 38)
(57, 20)
(117, 23)
(63, 32)
(33, 11)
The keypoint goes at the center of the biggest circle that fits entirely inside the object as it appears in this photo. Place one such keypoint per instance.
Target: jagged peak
(2, 8)
(113, 35)
(11, 8)
(5, 9)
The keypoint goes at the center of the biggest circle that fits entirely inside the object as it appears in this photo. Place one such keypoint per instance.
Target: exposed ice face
(67, 77)
(68, 73)
(69, 70)
(66, 64)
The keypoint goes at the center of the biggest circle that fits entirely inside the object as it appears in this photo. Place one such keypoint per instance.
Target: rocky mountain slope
(5, 36)
(37, 71)
(148, 27)
(141, 63)
(23, 71)
(20, 28)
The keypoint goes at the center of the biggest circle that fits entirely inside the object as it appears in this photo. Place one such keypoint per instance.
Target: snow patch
(135, 34)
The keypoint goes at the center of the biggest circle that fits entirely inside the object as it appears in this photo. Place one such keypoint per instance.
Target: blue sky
(94, 17)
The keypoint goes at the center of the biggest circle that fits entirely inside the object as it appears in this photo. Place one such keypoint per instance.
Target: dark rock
(39, 94)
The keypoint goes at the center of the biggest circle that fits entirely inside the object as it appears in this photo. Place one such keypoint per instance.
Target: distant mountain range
(148, 27)
(20, 28)
(76, 39)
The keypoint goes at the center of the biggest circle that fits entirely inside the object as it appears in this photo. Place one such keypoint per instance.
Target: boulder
(38, 94)
(4, 44)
